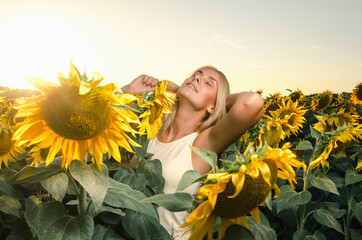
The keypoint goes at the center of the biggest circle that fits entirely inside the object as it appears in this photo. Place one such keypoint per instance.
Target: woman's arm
(141, 84)
(244, 110)
(146, 83)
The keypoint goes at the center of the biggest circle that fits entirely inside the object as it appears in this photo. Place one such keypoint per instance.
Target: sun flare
(31, 45)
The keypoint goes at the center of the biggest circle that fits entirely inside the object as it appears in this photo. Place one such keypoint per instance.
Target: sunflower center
(359, 93)
(74, 116)
(5, 143)
(156, 111)
(323, 101)
(44, 153)
(252, 195)
(272, 107)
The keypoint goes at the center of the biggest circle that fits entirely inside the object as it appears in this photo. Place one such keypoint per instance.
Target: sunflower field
(74, 165)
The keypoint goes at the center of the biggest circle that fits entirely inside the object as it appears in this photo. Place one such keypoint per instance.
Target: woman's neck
(185, 122)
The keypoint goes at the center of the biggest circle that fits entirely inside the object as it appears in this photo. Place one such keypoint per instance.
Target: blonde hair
(223, 91)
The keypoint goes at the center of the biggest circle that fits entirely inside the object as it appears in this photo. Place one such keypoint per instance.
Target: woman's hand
(141, 84)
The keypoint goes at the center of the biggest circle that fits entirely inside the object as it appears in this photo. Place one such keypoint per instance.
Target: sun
(39, 46)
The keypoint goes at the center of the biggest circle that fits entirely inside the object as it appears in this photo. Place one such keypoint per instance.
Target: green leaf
(187, 179)
(305, 145)
(302, 235)
(299, 235)
(48, 221)
(20, 230)
(10, 205)
(56, 185)
(289, 198)
(143, 227)
(7, 189)
(237, 232)
(33, 174)
(261, 231)
(319, 235)
(209, 157)
(143, 141)
(352, 177)
(103, 233)
(338, 180)
(103, 209)
(357, 210)
(356, 234)
(174, 202)
(321, 121)
(122, 196)
(152, 169)
(68, 227)
(92, 180)
(326, 218)
(137, 181)
(322, 182)
(333, 208)
(316, 134)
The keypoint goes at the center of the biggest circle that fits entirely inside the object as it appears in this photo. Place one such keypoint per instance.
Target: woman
(205, 116)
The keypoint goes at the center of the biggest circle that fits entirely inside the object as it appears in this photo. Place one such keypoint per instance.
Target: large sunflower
(233, 194)
(161, 103)
(291, 116)
(357, 94)
(75, 117)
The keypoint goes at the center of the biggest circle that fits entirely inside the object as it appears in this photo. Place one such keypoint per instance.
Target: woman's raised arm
(244, 110)
(146, 83)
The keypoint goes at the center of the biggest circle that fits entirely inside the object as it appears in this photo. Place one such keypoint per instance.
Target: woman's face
(201, 89)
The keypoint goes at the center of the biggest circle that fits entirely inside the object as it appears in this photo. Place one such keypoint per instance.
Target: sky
(310, 45)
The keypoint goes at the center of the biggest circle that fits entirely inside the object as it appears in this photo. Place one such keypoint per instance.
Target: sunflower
(337, 144)
(38, 155)
(334, 120)
(291, 116)
(272, 103)
(231, 195)
(322, 100)
(296, 95)
(75, 117)
(155, 109)
(8, 150)
(357, 94)
(272, 133)
(260, 92)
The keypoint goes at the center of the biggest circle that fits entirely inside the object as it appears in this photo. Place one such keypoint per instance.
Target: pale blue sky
(313, 45)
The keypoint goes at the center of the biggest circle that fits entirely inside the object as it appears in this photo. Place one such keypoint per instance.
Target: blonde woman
(205, 116)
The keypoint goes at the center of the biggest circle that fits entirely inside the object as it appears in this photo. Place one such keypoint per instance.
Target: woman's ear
(210, 109)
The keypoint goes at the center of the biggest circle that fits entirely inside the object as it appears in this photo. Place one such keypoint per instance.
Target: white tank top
(176, 159)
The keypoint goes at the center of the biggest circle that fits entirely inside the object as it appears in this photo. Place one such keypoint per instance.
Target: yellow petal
(41, 84)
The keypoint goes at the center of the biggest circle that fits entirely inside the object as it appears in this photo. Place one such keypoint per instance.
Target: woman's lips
(192, 86)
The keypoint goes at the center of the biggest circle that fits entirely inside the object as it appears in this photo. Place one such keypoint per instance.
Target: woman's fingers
(150, 81)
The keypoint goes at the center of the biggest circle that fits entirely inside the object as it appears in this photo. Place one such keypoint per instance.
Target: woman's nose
(197, 79)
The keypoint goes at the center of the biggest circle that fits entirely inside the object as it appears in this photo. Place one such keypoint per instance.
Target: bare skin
(197, 98)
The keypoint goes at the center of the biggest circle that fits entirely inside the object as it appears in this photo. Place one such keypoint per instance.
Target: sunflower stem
(349, 213)
(305, 187)
(82, 201)
(74, 183)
